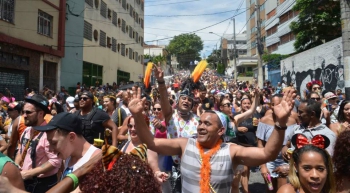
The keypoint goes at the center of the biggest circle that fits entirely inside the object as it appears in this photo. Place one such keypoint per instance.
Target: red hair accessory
(300, 140)
(310, 84)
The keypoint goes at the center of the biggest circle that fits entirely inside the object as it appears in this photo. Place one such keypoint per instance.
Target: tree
(186, 47)
(213, 59)
(221, 69)
(156, 59)
(319, 22)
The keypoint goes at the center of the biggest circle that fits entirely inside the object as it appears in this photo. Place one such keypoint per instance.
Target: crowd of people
(178, 135)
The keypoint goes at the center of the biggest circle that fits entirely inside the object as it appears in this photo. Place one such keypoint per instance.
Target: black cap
(88, 94)
(39, 101)
(64, 121)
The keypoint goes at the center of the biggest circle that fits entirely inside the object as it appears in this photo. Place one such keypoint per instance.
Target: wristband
(75, 180)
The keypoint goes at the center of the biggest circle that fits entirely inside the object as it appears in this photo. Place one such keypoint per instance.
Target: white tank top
(86, 157)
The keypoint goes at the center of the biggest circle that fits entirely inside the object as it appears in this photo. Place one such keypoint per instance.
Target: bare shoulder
(334, 127)
(287, 188)
(267, 119)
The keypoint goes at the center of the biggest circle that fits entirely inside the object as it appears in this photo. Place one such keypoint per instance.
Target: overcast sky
(162, 20)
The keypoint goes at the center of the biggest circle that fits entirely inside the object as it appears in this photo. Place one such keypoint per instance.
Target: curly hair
(341, 158)
(129, 174)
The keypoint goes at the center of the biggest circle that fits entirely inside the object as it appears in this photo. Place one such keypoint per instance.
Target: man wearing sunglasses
(94, 121)
(39, 166)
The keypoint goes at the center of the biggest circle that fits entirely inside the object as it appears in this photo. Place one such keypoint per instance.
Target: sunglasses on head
(84, 98)
(157, 109)
(130, 126)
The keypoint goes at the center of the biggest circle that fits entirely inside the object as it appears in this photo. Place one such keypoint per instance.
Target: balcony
(284, 28)
(284, 7)
(287, 48)
(272, 39)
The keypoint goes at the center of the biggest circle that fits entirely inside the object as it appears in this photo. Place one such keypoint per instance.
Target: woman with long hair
(341, 160)
(311, 167)
(343, 123)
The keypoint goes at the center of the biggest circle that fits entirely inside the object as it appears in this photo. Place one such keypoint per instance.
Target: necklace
(205, 171)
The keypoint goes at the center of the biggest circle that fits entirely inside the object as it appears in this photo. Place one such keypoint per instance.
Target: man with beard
(38, 164)
(95, 121)
(180, 123)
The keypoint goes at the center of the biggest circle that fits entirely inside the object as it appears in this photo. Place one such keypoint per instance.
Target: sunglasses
(10, 109)
(157, 109)
(227, 104)
(84, 98)
(316, 88)
(316, 99)
(28, 112)
(130, 126)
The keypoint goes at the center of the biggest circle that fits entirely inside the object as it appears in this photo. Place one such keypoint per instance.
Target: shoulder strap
(22, 138)
(33, 146)
(93, 112)
(119, 117)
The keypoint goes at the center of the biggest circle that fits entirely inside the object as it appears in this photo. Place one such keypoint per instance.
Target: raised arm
(164, 102)
(243, 116)
(256, 156)
(161, 146)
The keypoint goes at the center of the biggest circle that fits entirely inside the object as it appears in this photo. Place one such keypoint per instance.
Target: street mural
(320, 63)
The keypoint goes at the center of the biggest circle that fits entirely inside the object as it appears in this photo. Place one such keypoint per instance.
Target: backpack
(86, 126)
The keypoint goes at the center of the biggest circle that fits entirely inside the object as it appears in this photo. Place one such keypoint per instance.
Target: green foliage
(319, 21)
(249, 73)
(266, 57)
(186, 47)
(156, 59)
(220, 69)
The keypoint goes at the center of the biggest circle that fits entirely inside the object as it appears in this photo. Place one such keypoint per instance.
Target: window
(44, 23)
(89, 2)
(141, 41)
(92, 73)
(130, 31)
(123, 50)
(109, 14)
(102, 38)
(137, 17)
(103, 10)
(7, 10)
(142, 6)
(137, 37)
(123, 25)
(142, 23)
(87, 30)
(114, 18)
(131, 10)
(130, 53)
(109, 42)
(136, 57)
(124, 4)
(114, 45)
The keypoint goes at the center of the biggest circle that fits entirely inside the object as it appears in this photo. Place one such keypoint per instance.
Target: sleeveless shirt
(86, 157)
(221, 169)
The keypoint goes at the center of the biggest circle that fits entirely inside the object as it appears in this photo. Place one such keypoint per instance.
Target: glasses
(28, 112)
(157, 109)
(84, 98)
(316, 88)
(10, 109)
(316, 99)
(130, 126)
(227, 104)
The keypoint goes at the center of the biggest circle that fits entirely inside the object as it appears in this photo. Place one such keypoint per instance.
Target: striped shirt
(221, 169)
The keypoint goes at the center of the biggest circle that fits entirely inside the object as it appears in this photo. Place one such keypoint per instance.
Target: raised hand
(158, 72)
(136, 104)
(283, 110)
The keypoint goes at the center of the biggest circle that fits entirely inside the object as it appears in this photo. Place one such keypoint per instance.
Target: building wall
(323, 63)
(153, 51)
(104, 56)
(26, 20)
(72, 63)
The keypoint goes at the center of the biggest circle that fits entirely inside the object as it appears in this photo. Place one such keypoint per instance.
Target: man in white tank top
(202, 171)
(65, 137)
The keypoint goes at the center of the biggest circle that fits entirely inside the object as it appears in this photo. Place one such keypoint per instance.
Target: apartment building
(113, 41)
(31, 44)
(251, 29)
(279, 38)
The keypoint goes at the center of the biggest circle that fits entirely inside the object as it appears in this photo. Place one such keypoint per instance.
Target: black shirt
(97, 121)
(248, 137)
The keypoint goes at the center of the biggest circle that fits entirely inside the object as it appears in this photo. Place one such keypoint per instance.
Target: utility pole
(234, 50)
(260, 46)
(345, 23)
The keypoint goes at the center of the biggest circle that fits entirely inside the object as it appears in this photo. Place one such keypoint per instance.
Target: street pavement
(256, 183)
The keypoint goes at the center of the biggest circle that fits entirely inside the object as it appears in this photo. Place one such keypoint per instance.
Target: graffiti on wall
(320, 63)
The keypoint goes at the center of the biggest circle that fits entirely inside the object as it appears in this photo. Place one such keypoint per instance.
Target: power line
(172, 3)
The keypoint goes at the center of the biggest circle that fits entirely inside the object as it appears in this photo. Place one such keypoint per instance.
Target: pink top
(159, 134)
(43, 154)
